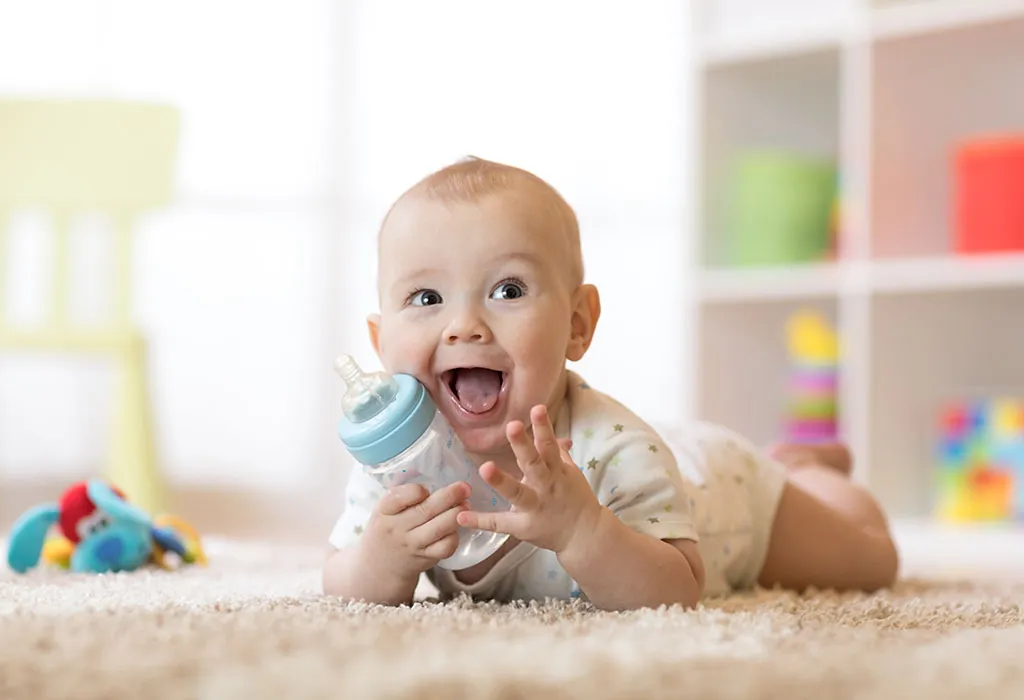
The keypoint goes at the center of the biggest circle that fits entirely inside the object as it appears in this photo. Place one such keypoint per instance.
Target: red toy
(76, 507)
(989, 195)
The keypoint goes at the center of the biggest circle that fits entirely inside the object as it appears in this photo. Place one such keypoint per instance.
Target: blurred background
(806, 218)
(300, 123)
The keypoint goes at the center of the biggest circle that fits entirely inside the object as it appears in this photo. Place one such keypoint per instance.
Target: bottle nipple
(348, 370)
(366, 394)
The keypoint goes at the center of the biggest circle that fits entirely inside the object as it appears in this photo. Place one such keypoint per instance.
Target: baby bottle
(392, 427)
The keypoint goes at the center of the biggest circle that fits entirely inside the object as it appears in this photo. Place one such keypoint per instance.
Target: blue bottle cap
(394, 429)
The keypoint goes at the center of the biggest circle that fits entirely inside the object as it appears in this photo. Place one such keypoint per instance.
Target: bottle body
(435, 460)
(393, 429)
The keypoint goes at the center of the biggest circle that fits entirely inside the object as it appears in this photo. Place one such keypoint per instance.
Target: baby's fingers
(415, 505)
(531, 463)
(443, 548)
(544, 436)
(436, 504)
(566, 446)
(504, 523)
(436, 529)
(401, 497)
(521, 496)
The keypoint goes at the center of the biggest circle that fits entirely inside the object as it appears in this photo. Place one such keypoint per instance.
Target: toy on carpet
(981, 461)
(100, 531)
(812, 414)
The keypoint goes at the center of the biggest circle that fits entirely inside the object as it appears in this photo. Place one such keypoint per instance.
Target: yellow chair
(69, 157)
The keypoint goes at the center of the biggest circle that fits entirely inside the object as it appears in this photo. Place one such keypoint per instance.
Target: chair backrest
(92, 155)
(75, 156)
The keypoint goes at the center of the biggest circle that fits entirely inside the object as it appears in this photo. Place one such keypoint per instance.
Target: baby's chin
(485, 443)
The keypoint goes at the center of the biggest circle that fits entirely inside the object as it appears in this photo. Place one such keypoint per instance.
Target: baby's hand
(411, 529)
(551, 503)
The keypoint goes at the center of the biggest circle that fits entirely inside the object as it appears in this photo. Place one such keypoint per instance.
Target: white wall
(302, 121)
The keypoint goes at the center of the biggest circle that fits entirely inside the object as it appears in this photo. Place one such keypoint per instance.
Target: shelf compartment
(931, 93)
(745, 367)
(928, 349)
(786, 105)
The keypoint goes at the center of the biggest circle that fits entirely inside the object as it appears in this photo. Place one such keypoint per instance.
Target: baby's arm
(643, 550)
(619, 568)
(613, 546)
(407, 532)
(350, 573)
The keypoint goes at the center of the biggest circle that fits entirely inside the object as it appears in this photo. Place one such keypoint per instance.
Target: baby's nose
(472, 337)
(468, 328)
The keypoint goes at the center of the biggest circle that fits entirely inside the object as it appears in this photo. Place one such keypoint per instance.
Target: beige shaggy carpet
(252, 625)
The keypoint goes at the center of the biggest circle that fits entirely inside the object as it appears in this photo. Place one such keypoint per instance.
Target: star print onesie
(703, 483)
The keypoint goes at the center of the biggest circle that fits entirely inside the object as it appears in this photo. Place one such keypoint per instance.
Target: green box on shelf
(780, 208)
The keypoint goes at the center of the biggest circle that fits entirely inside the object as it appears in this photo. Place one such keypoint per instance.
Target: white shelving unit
(887, 89)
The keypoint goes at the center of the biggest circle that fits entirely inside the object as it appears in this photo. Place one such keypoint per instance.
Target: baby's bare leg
(828, 531)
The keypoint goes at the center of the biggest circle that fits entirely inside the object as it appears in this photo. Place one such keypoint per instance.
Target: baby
(482, 298)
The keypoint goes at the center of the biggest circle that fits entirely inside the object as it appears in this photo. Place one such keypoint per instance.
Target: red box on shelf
(989, 195)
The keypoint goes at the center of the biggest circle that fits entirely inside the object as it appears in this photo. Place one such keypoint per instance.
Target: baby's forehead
(518, 215)
(472, 198)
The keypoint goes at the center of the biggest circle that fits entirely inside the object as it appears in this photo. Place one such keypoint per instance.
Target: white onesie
(703, 483)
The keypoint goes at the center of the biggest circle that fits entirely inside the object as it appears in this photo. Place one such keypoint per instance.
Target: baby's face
(476, 303)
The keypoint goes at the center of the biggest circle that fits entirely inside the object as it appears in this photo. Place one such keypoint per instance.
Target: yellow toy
(814, 355)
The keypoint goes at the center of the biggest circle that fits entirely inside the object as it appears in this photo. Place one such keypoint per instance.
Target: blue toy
(981, 461)
(101, 532)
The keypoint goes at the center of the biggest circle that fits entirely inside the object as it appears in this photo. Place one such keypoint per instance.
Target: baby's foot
(834, 455)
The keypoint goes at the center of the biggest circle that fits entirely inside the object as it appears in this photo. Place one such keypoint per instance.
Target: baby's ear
(373, 326)
(585, 313)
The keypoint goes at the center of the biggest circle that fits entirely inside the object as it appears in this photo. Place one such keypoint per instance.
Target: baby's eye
(508, 291)
(425, 297)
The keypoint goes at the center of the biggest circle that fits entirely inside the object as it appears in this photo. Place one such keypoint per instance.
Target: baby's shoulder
(601, 423)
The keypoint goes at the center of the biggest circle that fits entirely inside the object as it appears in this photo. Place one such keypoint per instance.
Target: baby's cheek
(404, 351)
(544, 359)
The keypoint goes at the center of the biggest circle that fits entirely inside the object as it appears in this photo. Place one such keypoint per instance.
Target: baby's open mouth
(476, 389)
